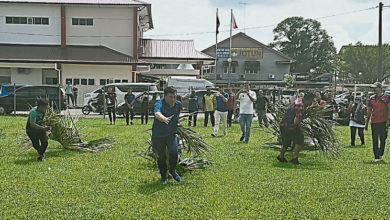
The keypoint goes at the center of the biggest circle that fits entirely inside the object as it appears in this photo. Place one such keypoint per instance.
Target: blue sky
(178, 19)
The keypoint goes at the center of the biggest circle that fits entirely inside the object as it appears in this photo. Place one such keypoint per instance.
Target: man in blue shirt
(164, 130)
(35, 128)
(193, 108)
(221, 112)
(129, 100)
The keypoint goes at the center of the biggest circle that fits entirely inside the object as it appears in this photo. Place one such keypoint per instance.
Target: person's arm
(127, 102)
(298, 117)
(224, 99)
(253, 99)
(132, 101)
(33, 124)
(158, 114)
(369, 112)
(238, 95)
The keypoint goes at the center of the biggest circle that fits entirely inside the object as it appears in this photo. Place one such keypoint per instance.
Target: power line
(262, 27)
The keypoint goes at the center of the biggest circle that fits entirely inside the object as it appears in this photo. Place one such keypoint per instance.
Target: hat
(376, 85)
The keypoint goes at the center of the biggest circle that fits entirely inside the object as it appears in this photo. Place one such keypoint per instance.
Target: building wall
(33, 77)
(96, 72)
(32, 34)
(112, 27)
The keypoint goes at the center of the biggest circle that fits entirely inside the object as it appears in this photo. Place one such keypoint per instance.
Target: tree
(361, 62)
(307, 43)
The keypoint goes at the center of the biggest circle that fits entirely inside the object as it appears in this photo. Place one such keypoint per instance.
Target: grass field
(246, 181)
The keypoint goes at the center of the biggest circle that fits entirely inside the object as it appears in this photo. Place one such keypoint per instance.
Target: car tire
(86, 110)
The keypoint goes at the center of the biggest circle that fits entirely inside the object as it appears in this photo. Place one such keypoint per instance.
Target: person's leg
(114, 113)
(195, 118)
(43, 139)
(142, 118)
(109, 110)
(34, 139)
(298, 139)
(127, 112)
(248, 124)
(131, 115)
(146, 117)
(242, 126)
(159, 147)
(353, 135)
(265, 119)
(217, 117)
(212, 118)
(260, 118)
(224, 122)
(206, 118)
(173, 153)
(286, 142)
(375, 136)
(190, 118)
(382, 138)
(361, 135)
(229, 117)
(67, 99)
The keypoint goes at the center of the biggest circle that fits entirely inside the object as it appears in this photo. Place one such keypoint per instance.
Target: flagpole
(216, 48)
(230, 47)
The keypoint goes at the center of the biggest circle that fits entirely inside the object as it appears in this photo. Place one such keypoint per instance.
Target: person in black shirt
(129, 100)
(261, 107)
(145, 108)
(111, 105)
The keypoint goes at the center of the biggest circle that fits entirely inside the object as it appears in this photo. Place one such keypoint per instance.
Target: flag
(218, 23)
(234, 22)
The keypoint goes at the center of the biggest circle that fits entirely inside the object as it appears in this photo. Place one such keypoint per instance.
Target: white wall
(34, 77)
(96, 72)
(108, 21)
(54, 27)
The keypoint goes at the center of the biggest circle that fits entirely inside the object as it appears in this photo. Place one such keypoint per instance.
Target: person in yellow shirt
(209, 108)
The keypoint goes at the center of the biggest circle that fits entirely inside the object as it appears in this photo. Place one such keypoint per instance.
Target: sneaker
(175, 176)
(281, 159)
(376, 160)
(380, 157)
(242, 138)
(40, 158)
(295, 161)
(163, 181)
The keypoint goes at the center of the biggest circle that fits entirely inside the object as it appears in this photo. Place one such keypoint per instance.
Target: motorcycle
(93, 106)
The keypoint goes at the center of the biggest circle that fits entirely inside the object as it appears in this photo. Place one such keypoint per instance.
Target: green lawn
(246, 182)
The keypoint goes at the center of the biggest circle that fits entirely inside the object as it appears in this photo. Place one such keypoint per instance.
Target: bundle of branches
(65, 132)
(315, 126)
(191, 146)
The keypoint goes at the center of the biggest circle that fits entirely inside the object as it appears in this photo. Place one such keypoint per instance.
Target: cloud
(188, 16)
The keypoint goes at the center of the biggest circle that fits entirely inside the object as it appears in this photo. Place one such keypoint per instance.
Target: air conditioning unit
(271, 76)
(242, 76)
(23, 70)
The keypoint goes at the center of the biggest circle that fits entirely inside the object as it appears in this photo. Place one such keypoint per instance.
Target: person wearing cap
(246, 97)
(357, 121)
(379, 114)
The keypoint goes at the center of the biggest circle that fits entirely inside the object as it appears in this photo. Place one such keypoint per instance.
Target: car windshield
(137, 88)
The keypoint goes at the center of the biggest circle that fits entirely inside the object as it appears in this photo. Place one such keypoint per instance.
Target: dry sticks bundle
(315, 126)
(65, 132)
(191, 144)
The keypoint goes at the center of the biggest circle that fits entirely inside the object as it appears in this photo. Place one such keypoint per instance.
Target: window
(27, 20)
(76, 81)
(84, 82)
(252, 67)
(233, 67)
(51, 81)
(68, 80)
(104, 81)
(125, 80)
(91, 82)
(82, 21)
(117, 81)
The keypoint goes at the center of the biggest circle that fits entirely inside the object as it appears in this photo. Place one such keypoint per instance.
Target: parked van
(121, 89)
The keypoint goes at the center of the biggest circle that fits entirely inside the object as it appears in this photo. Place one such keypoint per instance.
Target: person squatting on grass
(129, 100)
(290, 127)
(36, 130)
(246, 97)
(164, 130)
(379, 113)
(111, 105)
(357, 121)
(221, 112)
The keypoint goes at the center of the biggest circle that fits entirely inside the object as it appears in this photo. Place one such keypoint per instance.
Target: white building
(87, 42)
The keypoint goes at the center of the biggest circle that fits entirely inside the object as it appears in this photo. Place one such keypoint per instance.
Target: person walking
(378, 112)
(357, 120)
(261, 108)
(164, 130)
(75, 92)
(230, 108)
(69, 93)
(111, 105)
(193, 109)
(145, 108)
(246, 97)
(290, 127)
(208, 100)
(221, 112)
(129, 101)
(36, 130)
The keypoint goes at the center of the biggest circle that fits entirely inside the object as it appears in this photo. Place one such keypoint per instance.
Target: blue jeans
(160, 147)
(245, 124)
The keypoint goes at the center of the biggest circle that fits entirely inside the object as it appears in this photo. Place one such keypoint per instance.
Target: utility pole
(380, 49)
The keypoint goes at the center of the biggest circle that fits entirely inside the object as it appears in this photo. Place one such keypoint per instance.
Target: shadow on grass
(375, 163)
(155, 186)
(306, 165)
(31, 158)
(356, 146)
